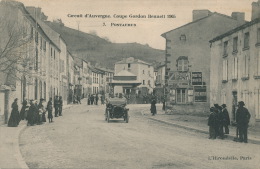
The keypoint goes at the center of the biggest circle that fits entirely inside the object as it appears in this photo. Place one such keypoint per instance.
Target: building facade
(188, 59)
(143, 70)
(32, 73)
(235, 67)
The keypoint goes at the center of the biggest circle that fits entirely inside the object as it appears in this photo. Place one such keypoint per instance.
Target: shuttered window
(225, 70)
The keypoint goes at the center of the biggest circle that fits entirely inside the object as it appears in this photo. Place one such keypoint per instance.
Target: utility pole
(78, 22)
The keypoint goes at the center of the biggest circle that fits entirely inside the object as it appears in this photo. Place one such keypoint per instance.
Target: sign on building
(196, 78)
(200, 93)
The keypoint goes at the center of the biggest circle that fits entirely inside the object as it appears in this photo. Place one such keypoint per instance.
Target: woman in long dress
(22, 112)
(32, 114)
(41, 111)
(14, 119)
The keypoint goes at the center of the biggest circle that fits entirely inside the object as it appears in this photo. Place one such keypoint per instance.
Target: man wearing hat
(218, 120)
(226, 120)
(212, 122)
(242, 119)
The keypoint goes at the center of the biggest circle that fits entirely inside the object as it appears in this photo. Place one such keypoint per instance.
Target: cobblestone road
(82, 139)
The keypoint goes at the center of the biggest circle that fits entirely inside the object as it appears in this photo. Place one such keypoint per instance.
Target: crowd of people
(93, 99)
(219, 121)
(35, 113)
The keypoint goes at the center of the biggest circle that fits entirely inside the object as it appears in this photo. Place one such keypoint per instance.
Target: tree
(16, 56)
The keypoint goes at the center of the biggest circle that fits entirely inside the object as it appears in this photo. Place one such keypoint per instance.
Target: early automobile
(116, 108)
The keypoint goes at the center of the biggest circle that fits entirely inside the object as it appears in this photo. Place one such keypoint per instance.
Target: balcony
(224, 81)
(256, 76)
(245, 77)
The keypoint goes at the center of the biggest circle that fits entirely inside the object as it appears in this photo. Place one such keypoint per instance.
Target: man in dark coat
(153, 107)
(96, 99)
(56, 106)
(242, 119)
(216, 109)
(163, 102)
(49, 109)
(60, 106)
(89, 99)
(92, 99)
(212, 120)
(226, 121)
(221, 122)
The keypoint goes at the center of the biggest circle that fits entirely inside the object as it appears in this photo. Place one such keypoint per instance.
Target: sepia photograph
(124, 84)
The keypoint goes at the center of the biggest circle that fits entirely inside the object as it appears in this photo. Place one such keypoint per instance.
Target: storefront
(186, 88)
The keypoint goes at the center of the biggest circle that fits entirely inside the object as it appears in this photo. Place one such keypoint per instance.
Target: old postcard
(129, 84)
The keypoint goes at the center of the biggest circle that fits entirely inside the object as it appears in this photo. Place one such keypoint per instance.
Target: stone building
(235, 67)
(30, 73)
(144, 72)
(188, 59)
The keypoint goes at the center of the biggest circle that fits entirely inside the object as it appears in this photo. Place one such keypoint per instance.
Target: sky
(146, 30)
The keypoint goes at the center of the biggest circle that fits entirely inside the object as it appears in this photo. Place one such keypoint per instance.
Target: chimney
(255, 10)
(198, 14)
(36, 12)
(239, 16)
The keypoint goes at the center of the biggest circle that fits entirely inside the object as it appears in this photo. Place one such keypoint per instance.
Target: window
(36, 89)
(183, 65)
(258, 35)
(44, 45)
(36, 59)
(225, 70)
(40, 42)
(223, 98)
(183, 37)
(31, 32)
(143, 71)
(62, 66)
(44, 90)
(51, 51)
(246, 67)
(181, 96)
(129, 66)
(225, 48)
(246, 40)
(143, 82)
(257, 103)
(24, 30)
(235, 41)
(36, 37)
(235, 68)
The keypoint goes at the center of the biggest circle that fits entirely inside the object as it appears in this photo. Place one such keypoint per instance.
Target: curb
(253, 141)
(18, 154)
(180, 126)
(20, 160)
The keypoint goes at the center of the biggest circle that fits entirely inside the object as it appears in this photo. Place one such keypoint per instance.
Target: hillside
(97, 50)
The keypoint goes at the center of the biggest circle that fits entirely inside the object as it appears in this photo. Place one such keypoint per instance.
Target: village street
(81, 138)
